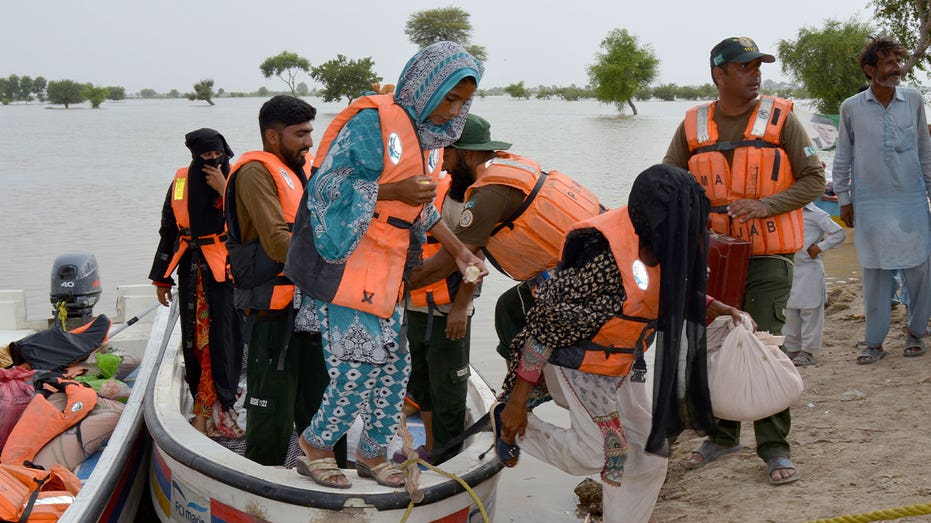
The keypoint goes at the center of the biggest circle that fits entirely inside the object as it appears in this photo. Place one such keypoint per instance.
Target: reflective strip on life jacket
(36, 495)
(212, 246)
(759, 168)
(530, 241)
(622, 339)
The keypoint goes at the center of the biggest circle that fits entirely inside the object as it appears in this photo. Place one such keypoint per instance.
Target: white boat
(195, 479)
(113, 479)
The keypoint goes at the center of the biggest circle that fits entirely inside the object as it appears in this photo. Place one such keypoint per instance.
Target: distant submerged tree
(116, 93)
(909, 22)
(447, 23)
(622, 68)
(26, 87)
(95, 94)
(285, 66)
(148, 93)
(825, 61)
(302, 89)
(64, 92)
(517, 90)
(38, 87)
(203, 90)
(344, 77)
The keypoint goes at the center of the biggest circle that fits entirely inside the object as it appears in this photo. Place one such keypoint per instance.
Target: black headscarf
(669, 212)
(204, 205)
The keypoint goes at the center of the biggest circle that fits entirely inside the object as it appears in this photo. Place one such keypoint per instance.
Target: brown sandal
(322, 471)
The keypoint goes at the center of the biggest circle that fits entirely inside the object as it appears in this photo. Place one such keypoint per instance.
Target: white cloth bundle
(749, 376)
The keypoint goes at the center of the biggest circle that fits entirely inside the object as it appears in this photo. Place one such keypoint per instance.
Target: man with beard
(192, 235)
(515, 213)
(882, 180)
(759, 168)
(285, 371)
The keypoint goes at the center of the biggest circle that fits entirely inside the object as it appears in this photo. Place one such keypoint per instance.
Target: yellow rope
(478, 502)
(879, 515)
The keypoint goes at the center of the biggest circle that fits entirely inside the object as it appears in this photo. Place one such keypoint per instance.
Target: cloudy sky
(171, 44)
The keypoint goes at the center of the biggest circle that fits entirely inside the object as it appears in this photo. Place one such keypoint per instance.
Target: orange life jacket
(34, 495)
(370, 280)
(622, 340)
(530, 241)
(439, 292)
(760, 167)
(212, 246)
(258, 280)
(41, 421)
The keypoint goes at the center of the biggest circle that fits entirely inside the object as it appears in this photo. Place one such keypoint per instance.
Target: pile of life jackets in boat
(54, 413)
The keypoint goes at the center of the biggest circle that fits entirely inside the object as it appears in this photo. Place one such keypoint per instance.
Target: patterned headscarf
(428, 76)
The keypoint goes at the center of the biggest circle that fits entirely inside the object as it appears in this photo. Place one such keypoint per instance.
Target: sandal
(322, 471)
(804, 359)
(710, 451)
(508, 453)
(381, 474)
(914, 346)
(870, 355)
(779, 463)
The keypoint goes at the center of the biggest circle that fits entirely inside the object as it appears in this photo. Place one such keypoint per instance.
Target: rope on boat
(412, 471)
(880, 515)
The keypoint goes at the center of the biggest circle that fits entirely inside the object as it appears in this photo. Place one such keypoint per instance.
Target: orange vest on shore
(211, 246)
(530, 241)
(41, 421)
(622, 339)
(270, 290)
(371, 278)
(443, 291)
(760, 167)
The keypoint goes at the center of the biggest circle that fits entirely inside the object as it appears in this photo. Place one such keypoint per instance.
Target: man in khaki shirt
(735, 68)
(285, 370)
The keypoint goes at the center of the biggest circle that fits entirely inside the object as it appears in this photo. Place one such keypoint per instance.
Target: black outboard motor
(75, 289)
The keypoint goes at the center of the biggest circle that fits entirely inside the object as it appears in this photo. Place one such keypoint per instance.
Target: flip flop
(917, 344)
(709, 452)
(322, 471)
(780, 462)
(870, 355)
(506, 452)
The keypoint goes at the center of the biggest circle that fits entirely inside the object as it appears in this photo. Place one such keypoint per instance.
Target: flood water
(94, 180)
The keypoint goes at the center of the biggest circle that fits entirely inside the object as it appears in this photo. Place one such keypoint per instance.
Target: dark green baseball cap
(476, 136)
(738, 49)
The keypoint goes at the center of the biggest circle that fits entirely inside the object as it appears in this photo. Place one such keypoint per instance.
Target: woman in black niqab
(205, 205)
(669, 212)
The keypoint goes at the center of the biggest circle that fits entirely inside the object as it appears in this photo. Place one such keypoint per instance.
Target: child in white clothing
(805, 308)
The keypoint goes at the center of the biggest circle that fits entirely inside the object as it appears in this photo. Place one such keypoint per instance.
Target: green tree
(285, 66)
(65, 92)
(623, 67)
(667, 92)
(447, 23)
(302, 89)
(517, 90)
(38, 87)
(95, 94)
(11, 92)
(174, 93)
(26, 87)
(203, 90)
(116, 93)
(3, 86)
(148, 93)
(263, 91)
(909, 22)
(825, 61)
(343, 77)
